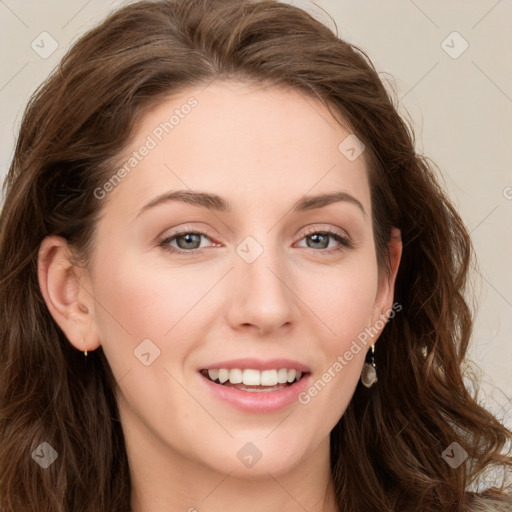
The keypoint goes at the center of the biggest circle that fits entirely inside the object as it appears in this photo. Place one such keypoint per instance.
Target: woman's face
(229, 275)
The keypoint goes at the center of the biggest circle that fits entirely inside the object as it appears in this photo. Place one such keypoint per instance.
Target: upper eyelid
(309, 229)
(331, 230)
(307, 232)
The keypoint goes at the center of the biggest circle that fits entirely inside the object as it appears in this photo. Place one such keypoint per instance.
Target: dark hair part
(386, 448)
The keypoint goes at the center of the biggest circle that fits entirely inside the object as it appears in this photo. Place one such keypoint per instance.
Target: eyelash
(344, 241)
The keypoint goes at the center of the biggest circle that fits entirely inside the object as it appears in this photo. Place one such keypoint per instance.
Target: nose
(261, 294)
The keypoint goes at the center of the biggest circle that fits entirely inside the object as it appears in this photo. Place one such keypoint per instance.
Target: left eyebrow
(216, 202)
(321, 200)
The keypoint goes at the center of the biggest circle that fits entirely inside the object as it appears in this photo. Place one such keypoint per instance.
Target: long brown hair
(386, 449)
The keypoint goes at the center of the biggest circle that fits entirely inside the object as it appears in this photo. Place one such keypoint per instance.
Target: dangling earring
(369, 373)
(85, 351)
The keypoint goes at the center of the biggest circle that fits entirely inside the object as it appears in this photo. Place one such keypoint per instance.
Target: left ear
(387, 277)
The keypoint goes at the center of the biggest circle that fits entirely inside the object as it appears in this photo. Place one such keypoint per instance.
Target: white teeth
(223, 375)
(282, 375)
(251, 377)
(269, 377)
(235, 376)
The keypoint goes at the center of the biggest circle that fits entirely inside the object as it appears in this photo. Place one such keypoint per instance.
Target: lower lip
(259, 402)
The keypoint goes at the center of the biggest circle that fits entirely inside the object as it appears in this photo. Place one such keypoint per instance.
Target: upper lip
(259, 364)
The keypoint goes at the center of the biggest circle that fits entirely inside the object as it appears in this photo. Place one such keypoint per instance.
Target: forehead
(256, 145)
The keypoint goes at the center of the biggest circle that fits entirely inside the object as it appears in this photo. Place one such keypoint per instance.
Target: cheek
(345, 307)
(144, 299)
(344, 302)
(134, 304)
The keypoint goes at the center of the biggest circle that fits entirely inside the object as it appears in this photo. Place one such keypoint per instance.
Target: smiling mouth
(254, 380)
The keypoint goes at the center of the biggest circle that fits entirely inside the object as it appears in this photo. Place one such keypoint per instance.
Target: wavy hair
(386, 449)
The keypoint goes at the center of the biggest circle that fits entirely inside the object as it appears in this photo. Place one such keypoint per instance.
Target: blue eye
(321, 237)
(189, 242)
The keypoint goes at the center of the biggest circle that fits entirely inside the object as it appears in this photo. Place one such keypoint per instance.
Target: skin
(261, 149)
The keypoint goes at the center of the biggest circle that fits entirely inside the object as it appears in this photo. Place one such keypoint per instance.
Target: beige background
(461, 106)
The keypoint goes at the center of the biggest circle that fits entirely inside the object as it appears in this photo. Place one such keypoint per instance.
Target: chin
(246, 459)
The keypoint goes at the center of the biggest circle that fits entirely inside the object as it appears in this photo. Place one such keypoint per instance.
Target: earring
(369, 373)
(85, 351)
